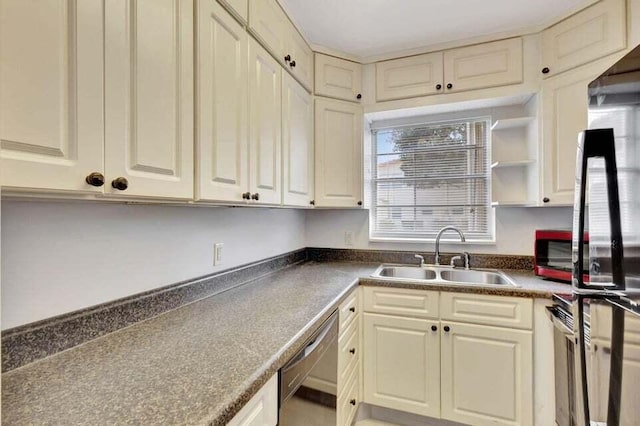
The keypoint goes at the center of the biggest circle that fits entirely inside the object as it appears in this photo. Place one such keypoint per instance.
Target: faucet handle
(454, 259)
(417, 256)
(467, 259)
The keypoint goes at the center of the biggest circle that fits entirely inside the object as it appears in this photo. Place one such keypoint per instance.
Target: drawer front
(400, 301)
(349, 311)
(262, 409)
(503, 311)
(348, 400)
(348, 353)
(409, 77)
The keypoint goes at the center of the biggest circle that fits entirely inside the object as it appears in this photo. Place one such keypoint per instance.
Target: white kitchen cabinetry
(487, 375)
(238, 8)
(149, 98)
(297, 143)
(564, 116)
(338, 152)
(301, 63)
(222, 105)
(349, 359)
(338, 78)
(262, 408)
(593, 33)
(402, 363)
(265, 126)
(51, 107)
(409, 77)
(498, 63)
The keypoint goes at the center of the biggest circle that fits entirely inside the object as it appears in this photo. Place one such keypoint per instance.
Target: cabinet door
(402, 364)
(409, 77)
(262, 408)
(484, 65)
(486, 375)
(564, 116)
(223, 105)
(301, 63)
(239, 8)
(338, 129)
(149, 97)
(51, 64)
(265, 121)
(269, 23)
(297, 143)
(588, 35)
(338, 78)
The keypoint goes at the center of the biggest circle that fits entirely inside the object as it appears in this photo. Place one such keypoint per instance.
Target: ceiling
(369, 28)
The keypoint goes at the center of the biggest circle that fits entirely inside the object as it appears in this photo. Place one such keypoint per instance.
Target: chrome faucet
(442, 231)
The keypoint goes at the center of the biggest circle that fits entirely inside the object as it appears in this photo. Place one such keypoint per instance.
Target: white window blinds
(429, 176)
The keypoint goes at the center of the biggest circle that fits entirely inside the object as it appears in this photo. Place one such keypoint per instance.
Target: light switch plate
(217, 253)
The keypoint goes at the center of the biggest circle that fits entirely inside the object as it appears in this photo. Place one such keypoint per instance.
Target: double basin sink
(443, 275)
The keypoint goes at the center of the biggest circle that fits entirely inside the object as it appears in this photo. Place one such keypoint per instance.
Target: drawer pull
(352, 309)
(352, 402)
(352, 351)
(446, 329)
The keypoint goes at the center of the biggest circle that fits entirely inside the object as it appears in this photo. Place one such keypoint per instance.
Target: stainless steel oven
(307, 382)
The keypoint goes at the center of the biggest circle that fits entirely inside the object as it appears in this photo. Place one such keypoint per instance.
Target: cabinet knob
(352, 402)
(438, 86)
(246, 195)
(255, 196)
(312, 202)
(287, 58)
(120, 183)
(352, 351)
(359, 203)
(449, 86)
(446, 328)
(545, 70)
(95, 179)
(352, 309)
(359, 96)
(292, 64)
(434, 328)
(546, 200)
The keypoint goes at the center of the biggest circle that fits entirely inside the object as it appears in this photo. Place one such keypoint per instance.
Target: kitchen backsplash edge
(28, 343)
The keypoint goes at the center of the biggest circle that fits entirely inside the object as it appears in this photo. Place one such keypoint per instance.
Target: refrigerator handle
(591, 144)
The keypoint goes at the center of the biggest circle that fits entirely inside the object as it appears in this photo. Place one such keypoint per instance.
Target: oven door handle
(554, 315)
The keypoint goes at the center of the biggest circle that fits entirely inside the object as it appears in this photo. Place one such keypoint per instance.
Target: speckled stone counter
(201, 363)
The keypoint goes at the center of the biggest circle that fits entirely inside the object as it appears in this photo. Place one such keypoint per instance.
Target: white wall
(62, 256)
(514, 230)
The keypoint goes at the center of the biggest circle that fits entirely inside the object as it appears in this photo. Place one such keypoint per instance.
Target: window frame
(372, 180)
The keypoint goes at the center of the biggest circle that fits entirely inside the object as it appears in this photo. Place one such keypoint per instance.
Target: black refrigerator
(605, 310)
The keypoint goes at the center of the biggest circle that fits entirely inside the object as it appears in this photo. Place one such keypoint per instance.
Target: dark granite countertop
(201, 363)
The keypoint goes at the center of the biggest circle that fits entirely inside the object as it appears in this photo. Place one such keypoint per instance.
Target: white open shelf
(510, 123)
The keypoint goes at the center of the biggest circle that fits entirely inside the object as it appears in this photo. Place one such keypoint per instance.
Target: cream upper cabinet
(222, 109)
(483, 65)
(486, 375)
(300, 63)
(338, 153)
(409, 77)
(265, 131)
(338, 78)
(149, 97)
(402, 363)
(270, 24)
(51, 102)
(297, 143)
(593, 33)
(564, 116)
(239, 8)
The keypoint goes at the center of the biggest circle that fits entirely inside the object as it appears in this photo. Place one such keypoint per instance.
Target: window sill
(491, 242)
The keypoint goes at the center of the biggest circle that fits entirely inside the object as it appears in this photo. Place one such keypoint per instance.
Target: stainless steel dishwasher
(307, 382)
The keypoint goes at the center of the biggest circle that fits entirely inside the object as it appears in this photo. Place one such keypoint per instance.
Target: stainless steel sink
(476, 277)
(437, 274)
(410, 272)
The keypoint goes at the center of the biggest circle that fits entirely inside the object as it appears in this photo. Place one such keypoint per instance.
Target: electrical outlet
(348, 238)
(217, 253)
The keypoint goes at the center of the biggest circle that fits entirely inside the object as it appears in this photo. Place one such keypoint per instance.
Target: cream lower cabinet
(419, 361)
(487, 376)
(262, 408)
(402, 363)
(338, 153)
(349, 359)
(564, 116)
(51, 107)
